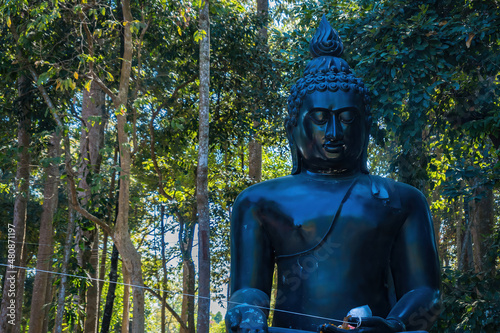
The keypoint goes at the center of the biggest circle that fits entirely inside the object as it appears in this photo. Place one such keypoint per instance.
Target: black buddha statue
(341, 238)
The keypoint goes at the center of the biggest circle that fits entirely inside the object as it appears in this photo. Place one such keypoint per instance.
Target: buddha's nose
(334, 130)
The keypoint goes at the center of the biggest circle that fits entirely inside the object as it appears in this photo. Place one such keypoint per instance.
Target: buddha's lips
(334, 147)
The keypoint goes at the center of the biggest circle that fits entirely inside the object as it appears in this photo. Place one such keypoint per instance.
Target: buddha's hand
(368, 325)
(381, 325)
(246, 318)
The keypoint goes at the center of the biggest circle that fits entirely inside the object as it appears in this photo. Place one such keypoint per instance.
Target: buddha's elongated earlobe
(364, 157)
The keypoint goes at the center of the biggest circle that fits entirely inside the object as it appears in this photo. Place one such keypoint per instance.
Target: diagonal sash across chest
(301, 222)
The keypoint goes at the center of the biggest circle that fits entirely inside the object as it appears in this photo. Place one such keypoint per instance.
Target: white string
(168, 291)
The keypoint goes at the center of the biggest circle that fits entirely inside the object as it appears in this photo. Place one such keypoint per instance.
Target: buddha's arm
(415, 266)
(252, 261)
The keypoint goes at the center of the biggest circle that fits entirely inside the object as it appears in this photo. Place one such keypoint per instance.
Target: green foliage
(470, 302)
(246, 82)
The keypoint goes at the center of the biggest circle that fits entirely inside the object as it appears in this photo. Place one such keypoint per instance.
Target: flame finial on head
(326, 41)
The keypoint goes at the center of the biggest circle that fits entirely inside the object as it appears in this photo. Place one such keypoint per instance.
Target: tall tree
(202, 176)
(14, 279)
(121, 235)
(91, 142)
(46, 239)
(120, 232)
(255, 147)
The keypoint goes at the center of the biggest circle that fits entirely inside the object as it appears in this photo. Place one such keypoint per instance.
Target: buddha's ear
(293, 150)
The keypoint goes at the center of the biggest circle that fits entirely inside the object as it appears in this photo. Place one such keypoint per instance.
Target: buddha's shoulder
(269, 189)
(407, 194)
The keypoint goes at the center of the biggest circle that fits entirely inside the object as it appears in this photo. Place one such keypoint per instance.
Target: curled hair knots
(320, 82)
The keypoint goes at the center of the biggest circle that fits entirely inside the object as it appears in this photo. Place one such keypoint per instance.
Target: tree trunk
(202, 178)
(255, 161)
(126, 300)
(92, 296)
(49, 298)
(20, 291)
(255, 147)
(482, 220)
(131, 258)
(110, 297)
(10, 312)
(91, 142)
(92, 135)
(64, 269)
(188, 277)
(188, 288)
(459, 228)
(263, 12)
(46, 238)
(466, 260)
(102, 270)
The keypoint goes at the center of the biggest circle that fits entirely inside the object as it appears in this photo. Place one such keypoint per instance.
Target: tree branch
(76, 205)
(169, 308)
(105, 88)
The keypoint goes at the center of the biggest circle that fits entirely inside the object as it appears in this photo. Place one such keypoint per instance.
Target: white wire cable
(167, 291)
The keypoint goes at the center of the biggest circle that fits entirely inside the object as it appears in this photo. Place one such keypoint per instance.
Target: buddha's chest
(345, 216)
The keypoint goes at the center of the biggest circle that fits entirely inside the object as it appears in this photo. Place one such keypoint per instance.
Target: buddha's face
(331, 131)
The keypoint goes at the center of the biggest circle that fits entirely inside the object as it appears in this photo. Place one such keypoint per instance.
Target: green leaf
(199, 35)
(43, 78)
(87, 85)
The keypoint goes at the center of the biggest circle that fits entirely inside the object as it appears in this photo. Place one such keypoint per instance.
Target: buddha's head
(329, 120)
